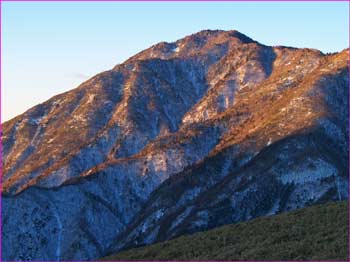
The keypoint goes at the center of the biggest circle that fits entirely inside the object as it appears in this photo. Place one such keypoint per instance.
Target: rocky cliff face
(212, 129)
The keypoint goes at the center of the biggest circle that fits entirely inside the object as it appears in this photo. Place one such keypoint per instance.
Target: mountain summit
(212, 129)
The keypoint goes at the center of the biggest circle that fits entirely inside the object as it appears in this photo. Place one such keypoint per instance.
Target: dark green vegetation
(313, 233)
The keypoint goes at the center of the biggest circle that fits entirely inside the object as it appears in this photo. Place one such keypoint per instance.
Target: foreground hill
(212, 129)
(313, 233)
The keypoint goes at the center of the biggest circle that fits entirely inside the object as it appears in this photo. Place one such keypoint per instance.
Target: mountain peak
(214, 128)
(203, 42)
(208, 33)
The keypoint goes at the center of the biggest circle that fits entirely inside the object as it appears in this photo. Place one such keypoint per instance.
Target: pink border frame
(174, 0)
(166, 1)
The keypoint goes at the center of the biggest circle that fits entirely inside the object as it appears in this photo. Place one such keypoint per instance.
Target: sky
(48, 48)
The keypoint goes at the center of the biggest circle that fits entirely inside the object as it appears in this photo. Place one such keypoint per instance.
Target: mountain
(313, 233)
(212, 129)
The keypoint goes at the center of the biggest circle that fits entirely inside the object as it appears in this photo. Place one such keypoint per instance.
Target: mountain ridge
(198, 113)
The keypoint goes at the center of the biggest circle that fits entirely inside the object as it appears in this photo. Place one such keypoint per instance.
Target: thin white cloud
(80, 76)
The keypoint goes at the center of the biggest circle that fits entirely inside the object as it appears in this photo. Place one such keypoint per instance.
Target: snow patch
(312, 170)
(37, 120)
(178, 220)
(269, 142)
(274, 208)
(159, 214)
(176, 50)
(189, 195)
(202, 219)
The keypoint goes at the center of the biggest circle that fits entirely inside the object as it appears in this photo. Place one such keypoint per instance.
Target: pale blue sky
(48, 48)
